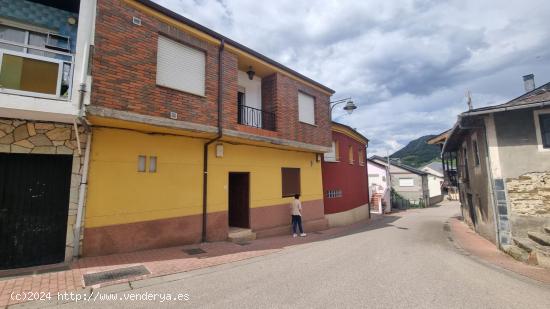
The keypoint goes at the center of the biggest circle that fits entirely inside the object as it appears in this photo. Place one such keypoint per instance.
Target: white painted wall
(434, 185)
(36, 108)
(253, 89)
(380, 183)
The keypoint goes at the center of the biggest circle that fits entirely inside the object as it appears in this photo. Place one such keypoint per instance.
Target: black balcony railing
(257, 118)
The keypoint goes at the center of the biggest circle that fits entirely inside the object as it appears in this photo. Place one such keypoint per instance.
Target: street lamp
(349, 107)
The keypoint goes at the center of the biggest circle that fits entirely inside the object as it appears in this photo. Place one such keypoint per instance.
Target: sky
(407, 64)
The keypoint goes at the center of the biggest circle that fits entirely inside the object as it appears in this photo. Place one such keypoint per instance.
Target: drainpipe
(84, 179)
(81, 194)
(220, 134)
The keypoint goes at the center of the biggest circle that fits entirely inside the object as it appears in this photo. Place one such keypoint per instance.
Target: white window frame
(175, 87)
(331, 156)
(540, 144)
(402, 185)
(26, 46)
(313, 111)
(59, 62)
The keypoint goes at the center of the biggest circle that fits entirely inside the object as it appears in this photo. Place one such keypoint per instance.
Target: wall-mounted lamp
(219, 150)
(250, 73)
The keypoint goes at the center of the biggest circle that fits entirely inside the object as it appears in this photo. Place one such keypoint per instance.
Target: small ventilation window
(136, 21)
(141, 163)
(152, 164)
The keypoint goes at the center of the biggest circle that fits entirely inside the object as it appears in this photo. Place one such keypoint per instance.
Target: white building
(379, 187)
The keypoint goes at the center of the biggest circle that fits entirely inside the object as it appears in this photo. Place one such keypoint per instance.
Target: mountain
(417, 153)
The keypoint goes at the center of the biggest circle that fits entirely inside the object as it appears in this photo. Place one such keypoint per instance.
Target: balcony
(29, 64)
(257, 118)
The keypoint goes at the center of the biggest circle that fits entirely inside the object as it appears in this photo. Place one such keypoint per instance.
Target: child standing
(296, 212)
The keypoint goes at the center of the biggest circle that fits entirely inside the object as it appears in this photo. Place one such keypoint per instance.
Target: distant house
(379, 187)
(345, 182)
(435, 180)
(448, 165)
(407, 181)
(503, 160)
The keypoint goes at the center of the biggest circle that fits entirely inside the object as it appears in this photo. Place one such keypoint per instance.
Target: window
(152, 164)
(332, 156)
(360, 158)
(544, 121)
(306, 108)
(290, 181)
(334, 193)
(141, 164)
(28, 64)
(476, 153)
(406, 182)
(350, 154)
(180, 67)
(466, 171)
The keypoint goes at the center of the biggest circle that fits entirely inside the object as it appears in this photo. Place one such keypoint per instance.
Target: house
(435, 181)
(448, 164)
(195, 136)
(379, 187)
(503, 154)
(44, 141)
(409, 182)
(345, 183)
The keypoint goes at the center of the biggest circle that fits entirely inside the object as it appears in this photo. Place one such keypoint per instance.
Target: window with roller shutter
(306, 108)
(180, 67)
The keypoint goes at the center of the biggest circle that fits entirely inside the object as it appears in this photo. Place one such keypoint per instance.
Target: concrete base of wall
(522, 224)
(275, 220)
(348, 217)
(436, 199)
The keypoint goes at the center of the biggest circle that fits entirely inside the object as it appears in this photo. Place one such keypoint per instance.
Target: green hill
(417, 153)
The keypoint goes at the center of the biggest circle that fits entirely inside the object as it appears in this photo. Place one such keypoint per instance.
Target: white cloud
(407, 64)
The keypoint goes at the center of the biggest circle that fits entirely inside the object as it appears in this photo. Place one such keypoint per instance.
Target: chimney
(529, 82)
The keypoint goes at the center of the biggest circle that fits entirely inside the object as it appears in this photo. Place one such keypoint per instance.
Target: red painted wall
(350, 178)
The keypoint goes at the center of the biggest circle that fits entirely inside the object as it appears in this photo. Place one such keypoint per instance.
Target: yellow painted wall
(264, 165)
(118, 194)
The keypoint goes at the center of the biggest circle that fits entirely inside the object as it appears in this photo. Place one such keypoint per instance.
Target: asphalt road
(397, 262)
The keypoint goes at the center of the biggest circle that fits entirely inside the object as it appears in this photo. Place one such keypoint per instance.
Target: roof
(538, 97)
(403, 166)
(227, 40)
(436, 167)
(440, 138)
(376, 163)
(352, 132)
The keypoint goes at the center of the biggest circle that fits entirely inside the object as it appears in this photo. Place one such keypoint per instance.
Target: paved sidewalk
(159, 262)
(487, 252)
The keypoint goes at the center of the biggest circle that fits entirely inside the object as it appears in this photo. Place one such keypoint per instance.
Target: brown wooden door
(239, 192)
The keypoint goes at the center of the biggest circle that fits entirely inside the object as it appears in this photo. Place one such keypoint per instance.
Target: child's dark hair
(296, 196)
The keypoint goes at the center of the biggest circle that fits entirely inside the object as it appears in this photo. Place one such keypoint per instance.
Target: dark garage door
(34, 203)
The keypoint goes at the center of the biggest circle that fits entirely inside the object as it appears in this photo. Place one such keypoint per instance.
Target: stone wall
(21, 136)
(529, 194)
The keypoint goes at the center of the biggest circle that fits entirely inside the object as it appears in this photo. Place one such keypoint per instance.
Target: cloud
(407, 64)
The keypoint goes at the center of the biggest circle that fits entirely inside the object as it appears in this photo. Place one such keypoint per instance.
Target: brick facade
(124, 79)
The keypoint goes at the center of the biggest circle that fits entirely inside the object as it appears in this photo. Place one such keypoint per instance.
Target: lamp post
(349, 107)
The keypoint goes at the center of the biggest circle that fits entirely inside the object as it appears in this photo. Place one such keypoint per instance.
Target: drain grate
(115, 274)
(243, 243)
(446, 227)
(402, 228)
(194, 251)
